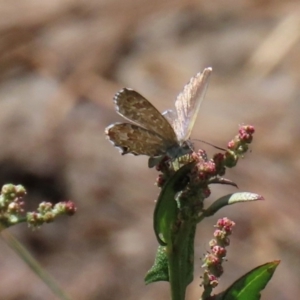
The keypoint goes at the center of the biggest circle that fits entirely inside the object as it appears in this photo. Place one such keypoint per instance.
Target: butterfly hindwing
(134, 139)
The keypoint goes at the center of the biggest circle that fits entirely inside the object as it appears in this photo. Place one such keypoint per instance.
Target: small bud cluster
(160, 180)
(216, 167)
(12, 208)
(239, 145)
(214, 259)
(11, 204)
(204, 170)
(47, 212)
(164, 168)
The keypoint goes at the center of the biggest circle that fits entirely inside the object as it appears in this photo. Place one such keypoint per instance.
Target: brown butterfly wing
(134, 139)
(134, 107)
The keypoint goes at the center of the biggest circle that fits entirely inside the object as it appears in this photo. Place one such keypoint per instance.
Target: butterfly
(152, 133)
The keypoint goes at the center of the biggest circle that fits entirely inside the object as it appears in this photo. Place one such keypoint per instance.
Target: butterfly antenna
(207, 143)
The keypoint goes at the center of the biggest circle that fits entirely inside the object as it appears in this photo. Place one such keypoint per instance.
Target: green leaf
(231, 199)
(166, 209)
(249, 286)
(160, 269)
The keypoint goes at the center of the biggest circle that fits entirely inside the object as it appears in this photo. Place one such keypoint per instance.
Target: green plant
(185, 178)
(180, 208)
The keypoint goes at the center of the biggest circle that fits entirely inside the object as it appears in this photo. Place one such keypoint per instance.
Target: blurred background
(61, 62)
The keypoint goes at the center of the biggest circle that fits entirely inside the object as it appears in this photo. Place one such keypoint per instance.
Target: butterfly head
(173, 153)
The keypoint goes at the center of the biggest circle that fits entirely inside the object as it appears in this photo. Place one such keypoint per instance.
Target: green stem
(200, 218)
(206, 293)
(180, 262)
(176, 283)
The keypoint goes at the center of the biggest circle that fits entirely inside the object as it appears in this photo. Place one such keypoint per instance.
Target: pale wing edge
(186, 111)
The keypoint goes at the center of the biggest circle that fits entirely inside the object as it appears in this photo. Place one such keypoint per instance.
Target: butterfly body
(152, 133)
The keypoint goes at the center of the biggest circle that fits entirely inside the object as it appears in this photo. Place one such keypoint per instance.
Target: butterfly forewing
(188, 104)
(134, 107)
(134, 139)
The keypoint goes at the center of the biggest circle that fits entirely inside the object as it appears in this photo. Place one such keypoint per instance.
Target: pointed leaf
(222, 180)
(160, 270)
(249, 286)
(231, 199)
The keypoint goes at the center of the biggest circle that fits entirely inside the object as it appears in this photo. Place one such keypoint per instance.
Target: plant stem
(176, 283)
(181, 260)
(34, 265)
